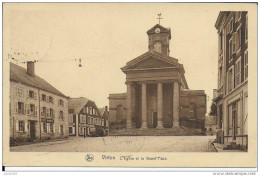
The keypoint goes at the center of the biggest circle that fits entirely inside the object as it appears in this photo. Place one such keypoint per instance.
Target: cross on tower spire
(159, 17)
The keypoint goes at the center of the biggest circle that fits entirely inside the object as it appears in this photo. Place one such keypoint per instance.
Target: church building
(157, 94)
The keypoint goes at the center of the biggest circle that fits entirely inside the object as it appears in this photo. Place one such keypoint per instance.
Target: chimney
(30, 68)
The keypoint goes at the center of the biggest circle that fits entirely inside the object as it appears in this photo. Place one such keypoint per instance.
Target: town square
(137, 82)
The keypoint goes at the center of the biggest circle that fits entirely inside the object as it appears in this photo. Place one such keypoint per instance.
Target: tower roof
(163, 30)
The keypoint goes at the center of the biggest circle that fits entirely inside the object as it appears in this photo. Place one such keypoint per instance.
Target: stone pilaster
(129, 106)
(159, 105)
(176, 104)
(144, 106)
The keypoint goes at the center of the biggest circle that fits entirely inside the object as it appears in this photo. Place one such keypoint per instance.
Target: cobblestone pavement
(123, 144)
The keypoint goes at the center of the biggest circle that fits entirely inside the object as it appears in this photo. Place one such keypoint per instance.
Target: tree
(213, 109)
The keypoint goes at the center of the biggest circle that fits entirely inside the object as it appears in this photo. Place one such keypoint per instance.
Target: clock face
(157, 30)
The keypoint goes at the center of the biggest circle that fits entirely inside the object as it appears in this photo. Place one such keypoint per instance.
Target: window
(221, 41)
(91, 121)
(231, 25)
(32, 109)
(158, 47)
(60, 102)
(51, 128)
(234, 44)
(238, 72)
(81, 130)
(31, 94)
(44, 127)
(21, 126)
(43, 97)
(74, 118)
(90, 110)
(70, 130)
(50, 99)
(52, 114)
(87, 110)
(230, 79)
(19, 91)
(220, 73)
(238, 39)
(246, 29)
(230, 50)
(48, 112)
(61, 115)
(21, 108)
(43, 111)
(246, 65)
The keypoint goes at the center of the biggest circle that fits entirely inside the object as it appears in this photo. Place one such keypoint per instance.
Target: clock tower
(159, 39)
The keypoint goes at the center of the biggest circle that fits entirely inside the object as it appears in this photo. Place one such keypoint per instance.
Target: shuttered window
(238, 39)
(234, 40)
(246, 65)
(230, 50)
(21, 126)
(238, 72)
(230, 79)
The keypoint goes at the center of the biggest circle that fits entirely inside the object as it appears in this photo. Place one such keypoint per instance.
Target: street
(123, 144)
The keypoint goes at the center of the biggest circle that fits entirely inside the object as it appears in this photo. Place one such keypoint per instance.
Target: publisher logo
(89, 157)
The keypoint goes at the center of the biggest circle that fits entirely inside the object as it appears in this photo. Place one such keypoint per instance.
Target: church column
(144, 106)
(159, 105)
(129, 107)
(176, 105)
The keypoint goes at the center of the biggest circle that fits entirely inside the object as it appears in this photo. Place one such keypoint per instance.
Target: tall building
(157, 94)
(37, 110)
(231, 96)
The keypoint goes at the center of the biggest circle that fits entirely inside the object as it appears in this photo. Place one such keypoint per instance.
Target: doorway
(234, 124)
(154, 119)
(32, 129)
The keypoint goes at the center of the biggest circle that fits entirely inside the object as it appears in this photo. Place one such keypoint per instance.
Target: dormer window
(158, 47)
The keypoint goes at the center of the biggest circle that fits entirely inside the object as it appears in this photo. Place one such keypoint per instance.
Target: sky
(105, 37)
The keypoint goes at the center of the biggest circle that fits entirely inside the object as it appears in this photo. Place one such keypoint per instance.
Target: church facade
(157, 94)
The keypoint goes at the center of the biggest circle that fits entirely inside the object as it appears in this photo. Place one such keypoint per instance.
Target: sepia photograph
(136, 84)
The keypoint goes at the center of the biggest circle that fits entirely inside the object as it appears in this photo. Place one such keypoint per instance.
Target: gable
(151, 62)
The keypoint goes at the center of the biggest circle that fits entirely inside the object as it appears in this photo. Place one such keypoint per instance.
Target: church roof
(164, 58)
(19, 74)
(77, 104)
(163, 30)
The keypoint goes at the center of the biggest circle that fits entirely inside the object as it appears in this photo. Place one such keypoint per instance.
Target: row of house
(231, 96)
(38, 111)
